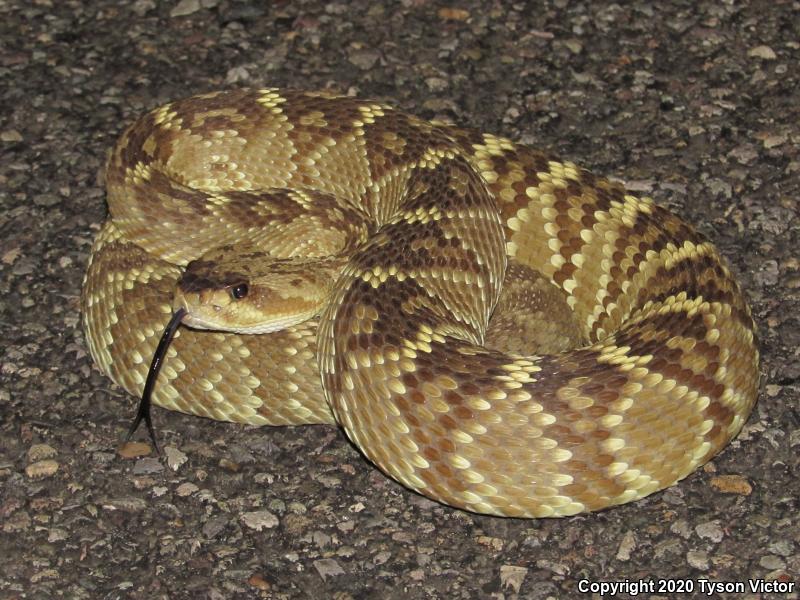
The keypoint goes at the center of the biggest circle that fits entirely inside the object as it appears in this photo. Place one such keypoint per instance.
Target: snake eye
(239, 291)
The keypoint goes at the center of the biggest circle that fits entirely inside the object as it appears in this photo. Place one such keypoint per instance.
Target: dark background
(694, 103)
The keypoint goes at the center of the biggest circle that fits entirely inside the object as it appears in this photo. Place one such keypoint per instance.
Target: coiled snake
(377, 244)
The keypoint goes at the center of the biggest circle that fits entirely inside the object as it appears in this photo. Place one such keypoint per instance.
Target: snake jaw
(203, 309)
(264, 312)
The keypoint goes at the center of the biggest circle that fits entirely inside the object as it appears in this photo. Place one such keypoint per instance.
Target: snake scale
(417, 225)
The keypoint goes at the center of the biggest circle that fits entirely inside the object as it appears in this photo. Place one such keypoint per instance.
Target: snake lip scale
(493, 327)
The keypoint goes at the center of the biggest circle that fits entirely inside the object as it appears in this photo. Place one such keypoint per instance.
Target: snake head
(252, 292)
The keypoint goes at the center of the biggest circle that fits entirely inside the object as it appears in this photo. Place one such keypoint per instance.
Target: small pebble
(512, 576)
(260, 519)
(41, 469)
(39, 452)
(328, 567)
(698, 559)
(134, 449)
(732, 484)
(763, 52)
(175, 458)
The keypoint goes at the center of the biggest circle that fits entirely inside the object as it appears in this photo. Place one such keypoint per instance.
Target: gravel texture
(694, 103)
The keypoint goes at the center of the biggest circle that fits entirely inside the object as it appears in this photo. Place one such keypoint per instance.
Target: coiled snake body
(657, 373)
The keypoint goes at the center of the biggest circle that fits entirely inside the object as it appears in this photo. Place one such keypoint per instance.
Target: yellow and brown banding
(652, 369)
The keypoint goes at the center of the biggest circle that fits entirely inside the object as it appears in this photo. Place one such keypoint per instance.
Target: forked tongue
(143, 412)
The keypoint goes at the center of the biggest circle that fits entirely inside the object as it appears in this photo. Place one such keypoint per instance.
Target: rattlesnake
(420, 222)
